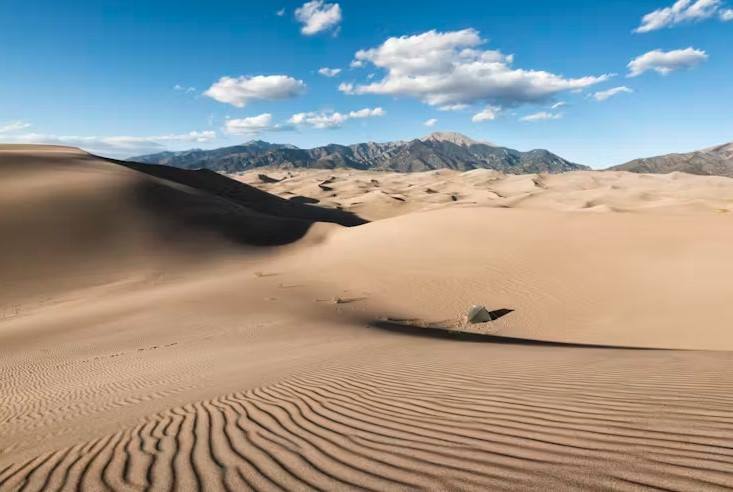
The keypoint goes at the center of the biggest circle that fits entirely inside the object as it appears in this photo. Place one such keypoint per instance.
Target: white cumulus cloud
(250, 125)
(318, 16)
(541, 116)
(329, 72)
(683, 11)
(367, 113)
(332, 119)
(239, 91)
(430, 122)
(489, 113)
(448, 69)
(664, 62)
(603, 95)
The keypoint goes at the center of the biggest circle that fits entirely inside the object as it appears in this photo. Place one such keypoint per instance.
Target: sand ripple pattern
(435, 422)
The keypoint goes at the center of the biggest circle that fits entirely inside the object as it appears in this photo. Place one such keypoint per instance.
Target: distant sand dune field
(176, 330)
(376, 195)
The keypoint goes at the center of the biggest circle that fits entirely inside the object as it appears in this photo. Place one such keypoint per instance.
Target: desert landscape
(298, 329)
(331, 245)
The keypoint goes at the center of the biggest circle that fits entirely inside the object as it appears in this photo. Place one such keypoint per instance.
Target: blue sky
(128, 77)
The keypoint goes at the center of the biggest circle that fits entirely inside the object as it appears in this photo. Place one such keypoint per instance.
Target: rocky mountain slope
(717, 161)
(436, 151)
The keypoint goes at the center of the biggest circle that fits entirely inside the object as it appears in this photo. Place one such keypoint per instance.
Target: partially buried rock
(478, 314)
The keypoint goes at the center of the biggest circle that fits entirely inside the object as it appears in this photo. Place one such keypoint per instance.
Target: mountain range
(716, 161)
(440, 150)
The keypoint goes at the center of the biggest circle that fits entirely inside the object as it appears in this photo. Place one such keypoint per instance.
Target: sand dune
(175, 330)
(67, 214)
(376, 195)
(608, 279)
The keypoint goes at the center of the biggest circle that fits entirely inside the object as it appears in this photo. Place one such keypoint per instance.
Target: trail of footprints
(419, 425)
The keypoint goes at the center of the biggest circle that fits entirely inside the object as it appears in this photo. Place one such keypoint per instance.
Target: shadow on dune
(72, 220)
(499, 313)
(303, 199)
(462, 336)
(237, 211)
(243, 194)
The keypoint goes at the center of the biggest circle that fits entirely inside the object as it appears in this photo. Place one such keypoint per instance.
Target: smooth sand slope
(175, 330)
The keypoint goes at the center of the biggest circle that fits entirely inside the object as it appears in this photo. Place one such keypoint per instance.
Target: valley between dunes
(163, 329)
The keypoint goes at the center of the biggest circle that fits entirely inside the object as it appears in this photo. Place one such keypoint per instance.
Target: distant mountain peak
(454, 138)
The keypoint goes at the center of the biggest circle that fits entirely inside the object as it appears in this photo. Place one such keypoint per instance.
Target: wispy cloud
(487, 114)
(430, 122)
(332, 119)
(114, 146)
(453, 107)
(14, 126)
(682, 12)
(184, 89)
(603, 95)
(329, 72)
(541, 116)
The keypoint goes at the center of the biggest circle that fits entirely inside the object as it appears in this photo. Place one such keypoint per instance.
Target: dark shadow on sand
(218, 204)
(462, 336)
(304, 199)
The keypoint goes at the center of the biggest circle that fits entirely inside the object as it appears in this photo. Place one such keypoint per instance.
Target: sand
(378, 195)
(166, 330)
